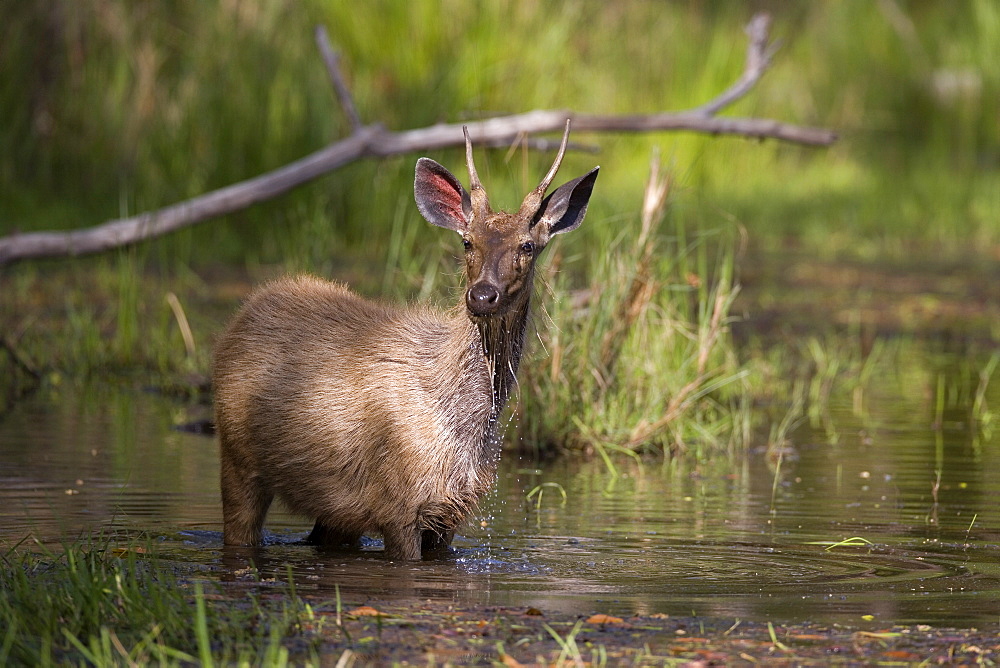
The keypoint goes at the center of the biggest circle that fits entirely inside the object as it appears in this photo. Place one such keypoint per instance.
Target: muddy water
(741, 538)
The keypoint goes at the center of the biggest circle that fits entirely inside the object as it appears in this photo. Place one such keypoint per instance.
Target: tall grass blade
(201, 628)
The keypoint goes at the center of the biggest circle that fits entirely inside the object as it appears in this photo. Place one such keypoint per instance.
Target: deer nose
(482, 299)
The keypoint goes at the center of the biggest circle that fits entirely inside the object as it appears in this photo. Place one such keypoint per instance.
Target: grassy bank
(105, 604)
(98, 606)
(118, 108)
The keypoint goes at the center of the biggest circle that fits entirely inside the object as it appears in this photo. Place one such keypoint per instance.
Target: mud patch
(381, 634)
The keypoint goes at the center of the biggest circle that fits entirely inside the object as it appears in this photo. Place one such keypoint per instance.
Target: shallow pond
(742, 538)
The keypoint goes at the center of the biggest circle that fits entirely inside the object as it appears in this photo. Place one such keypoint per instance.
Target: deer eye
(467, 244)
(527, 248)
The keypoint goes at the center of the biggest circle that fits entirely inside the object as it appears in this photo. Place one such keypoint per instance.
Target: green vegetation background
(113, 108)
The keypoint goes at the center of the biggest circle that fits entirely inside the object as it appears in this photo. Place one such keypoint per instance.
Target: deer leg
(325, 536)
(432, 541)
(243, 521)
(402, 543)
(244, 506)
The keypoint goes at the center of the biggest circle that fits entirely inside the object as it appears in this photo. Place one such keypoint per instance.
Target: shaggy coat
(374, 418)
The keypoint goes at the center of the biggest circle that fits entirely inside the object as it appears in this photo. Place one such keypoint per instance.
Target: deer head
(500, 248)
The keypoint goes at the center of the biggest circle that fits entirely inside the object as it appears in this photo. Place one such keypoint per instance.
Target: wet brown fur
(345, 413)
(372, 417)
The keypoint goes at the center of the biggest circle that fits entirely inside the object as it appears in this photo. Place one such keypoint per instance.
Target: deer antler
(480, 201)
(533, 200)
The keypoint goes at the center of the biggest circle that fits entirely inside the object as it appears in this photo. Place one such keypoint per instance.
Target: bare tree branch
(758, 59)
(332, 61)
(376, 141)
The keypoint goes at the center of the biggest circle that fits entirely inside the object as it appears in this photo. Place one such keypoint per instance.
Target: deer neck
(502, 339)
(489, 349)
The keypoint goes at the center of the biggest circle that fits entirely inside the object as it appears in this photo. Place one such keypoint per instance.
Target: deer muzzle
(482, 300)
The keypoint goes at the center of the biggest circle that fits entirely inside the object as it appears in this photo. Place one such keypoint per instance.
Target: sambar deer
(371, 417)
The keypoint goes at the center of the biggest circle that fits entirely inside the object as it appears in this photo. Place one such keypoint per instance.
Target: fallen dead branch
(375, 141)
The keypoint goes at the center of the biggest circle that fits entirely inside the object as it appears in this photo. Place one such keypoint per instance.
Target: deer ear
(565, 208)
(440, 197)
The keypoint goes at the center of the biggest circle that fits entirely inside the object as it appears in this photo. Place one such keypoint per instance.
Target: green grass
(112, 111)
(640, 359)
(105, 603)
